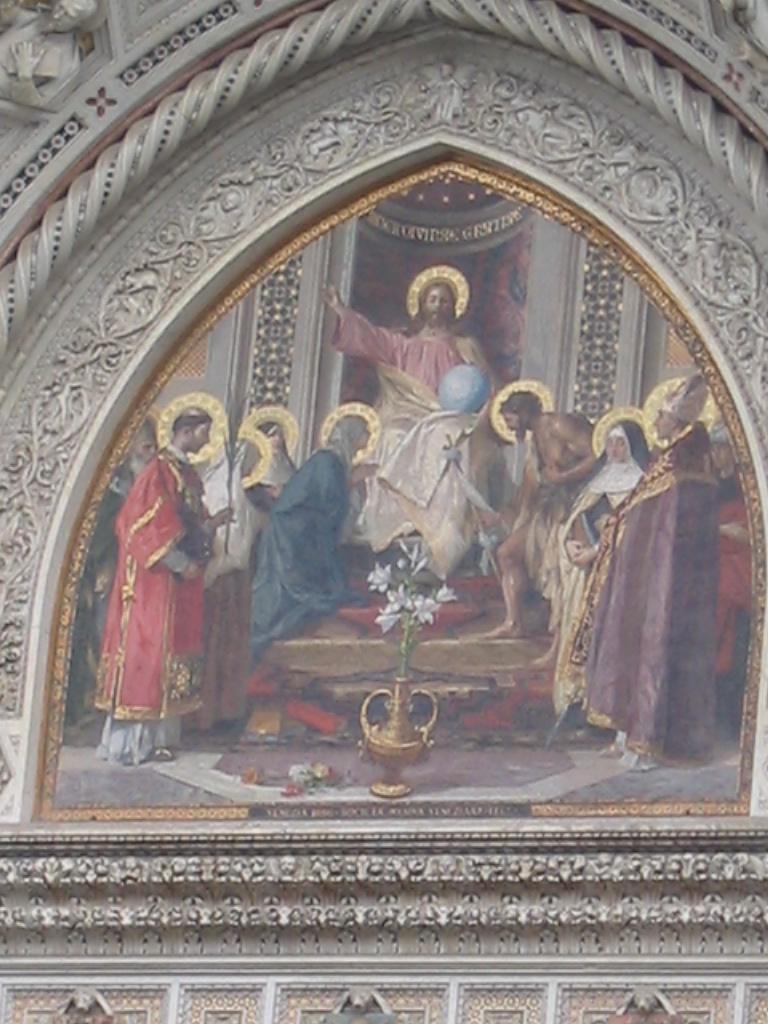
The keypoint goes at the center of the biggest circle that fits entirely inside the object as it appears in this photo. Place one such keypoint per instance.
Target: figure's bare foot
(507, 629)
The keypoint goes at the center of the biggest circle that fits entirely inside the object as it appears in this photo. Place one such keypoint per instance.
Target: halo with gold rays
(252, 435)
(359, 410)
(529, 386)
(278, 414)
(445, 274)
(656, 400)
(195, 400)
(606, 423)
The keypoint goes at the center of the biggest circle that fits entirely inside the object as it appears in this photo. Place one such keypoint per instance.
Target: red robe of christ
(151, 656)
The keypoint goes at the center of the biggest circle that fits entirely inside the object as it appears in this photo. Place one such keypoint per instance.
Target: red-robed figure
(152, 657)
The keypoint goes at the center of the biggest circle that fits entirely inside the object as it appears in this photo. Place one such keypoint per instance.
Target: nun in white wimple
(618, 472)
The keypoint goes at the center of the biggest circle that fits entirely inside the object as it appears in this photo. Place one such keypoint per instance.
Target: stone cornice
(312, 904)
(669, 838)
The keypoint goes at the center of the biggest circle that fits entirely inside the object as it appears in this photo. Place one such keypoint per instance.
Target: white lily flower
(380, 579)
(417, 557)
(425, 609)
(421, 564)
(397, 599)
(407, 604)
(387, 619)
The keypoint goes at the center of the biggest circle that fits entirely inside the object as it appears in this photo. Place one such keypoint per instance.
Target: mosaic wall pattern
(500, 1005)
(221, 1006)
(273, 346)
(599, 334)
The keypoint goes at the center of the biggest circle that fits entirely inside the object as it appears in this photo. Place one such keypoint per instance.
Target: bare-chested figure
(560, 461)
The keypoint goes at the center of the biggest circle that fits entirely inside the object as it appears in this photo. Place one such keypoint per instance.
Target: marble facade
(144, 188)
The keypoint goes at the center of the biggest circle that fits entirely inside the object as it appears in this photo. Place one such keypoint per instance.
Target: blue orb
(464, 389)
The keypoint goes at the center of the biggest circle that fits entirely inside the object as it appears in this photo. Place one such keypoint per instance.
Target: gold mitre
(606, 423)
(527, 386)
(441, 273)
(357, 410)
(670, 395)
(195, 400)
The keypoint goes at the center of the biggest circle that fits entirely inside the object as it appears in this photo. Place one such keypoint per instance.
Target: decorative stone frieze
(181, 900)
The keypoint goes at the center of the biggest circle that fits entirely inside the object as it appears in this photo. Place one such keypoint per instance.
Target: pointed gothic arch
(241, 194)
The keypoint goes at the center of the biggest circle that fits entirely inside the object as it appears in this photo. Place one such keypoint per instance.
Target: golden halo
(360, 410)
(530, 386)
(655, 401)
(278, 414)
(260, 442)
(613, 417)
(445, 274)
(197, 400)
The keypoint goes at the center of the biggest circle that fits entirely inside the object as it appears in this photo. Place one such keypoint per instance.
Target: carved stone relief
(139, 18)
(410, 1004)
(756, 1011)
(331, 29)
(85, 1006)
(41, 48)
(185, 902)
(501, 1000)
(611, 1005)
(130, 1005)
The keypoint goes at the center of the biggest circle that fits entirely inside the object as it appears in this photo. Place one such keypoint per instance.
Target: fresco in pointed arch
(453, 482)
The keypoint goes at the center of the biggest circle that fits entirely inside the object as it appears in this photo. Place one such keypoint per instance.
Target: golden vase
(398, 742)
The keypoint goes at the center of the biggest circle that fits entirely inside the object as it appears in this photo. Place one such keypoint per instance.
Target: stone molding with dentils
(534, 116)
(176, 902)
(281, 55)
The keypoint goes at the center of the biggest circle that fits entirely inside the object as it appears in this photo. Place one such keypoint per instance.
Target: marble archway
(248, 189)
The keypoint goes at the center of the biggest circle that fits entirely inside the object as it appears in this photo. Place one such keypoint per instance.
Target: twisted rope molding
(317, 36)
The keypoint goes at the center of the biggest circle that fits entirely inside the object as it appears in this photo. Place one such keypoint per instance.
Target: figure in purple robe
(647, 634)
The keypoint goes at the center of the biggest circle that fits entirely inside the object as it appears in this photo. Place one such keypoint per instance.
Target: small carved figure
(85, 1005)
(41, 49)
(645, 1004)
